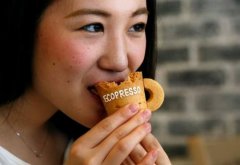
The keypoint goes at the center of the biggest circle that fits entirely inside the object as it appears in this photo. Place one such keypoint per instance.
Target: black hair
(148, 66)
(20, 22)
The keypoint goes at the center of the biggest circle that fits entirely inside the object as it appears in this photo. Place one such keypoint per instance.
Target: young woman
(55, 51)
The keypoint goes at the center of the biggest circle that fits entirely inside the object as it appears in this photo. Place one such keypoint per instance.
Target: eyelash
(98, 27)
(140, 27)
(93, 28)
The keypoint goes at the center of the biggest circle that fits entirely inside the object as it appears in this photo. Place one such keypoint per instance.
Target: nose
(115, 56)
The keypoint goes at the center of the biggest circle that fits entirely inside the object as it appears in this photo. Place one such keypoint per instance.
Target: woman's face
(82, 42)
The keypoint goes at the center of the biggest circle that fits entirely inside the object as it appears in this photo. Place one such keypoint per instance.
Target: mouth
(93, 90)
(94, 94)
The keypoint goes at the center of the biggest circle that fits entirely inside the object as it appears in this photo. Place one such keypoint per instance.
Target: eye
(138, 27)
(93, 28)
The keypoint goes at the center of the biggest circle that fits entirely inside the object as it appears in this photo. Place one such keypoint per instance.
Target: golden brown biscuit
(132, 90)
(156, 93)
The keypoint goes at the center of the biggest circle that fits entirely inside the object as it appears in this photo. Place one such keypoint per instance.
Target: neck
(29, 112)
(25, 130)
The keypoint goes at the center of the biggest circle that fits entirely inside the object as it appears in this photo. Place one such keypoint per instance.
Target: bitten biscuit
(132, 90)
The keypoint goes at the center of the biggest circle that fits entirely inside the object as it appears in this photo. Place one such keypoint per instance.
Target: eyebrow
(88, 12)
(140, 12)
(76, 13)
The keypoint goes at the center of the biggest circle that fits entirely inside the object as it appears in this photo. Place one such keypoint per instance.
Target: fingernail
(148, 127)
(146, 113)
(133, 108)
(155, 154)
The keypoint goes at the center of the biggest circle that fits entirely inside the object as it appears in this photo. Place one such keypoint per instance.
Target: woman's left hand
(149, 142)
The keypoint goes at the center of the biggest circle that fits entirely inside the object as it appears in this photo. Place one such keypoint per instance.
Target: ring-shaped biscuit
(156, 94)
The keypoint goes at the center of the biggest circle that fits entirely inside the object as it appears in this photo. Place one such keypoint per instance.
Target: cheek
(137, 54)
(74, 56)
(67, 54)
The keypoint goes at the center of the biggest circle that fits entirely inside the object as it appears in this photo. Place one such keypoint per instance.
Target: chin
(95, 119)
(92, 123)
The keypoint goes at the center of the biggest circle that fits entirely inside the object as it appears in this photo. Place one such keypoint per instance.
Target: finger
(151, 143)
(150, 158)
(162, 158)
(124, 147)
(107, 125)
(123, 131)
(128, 161)
(138, 153)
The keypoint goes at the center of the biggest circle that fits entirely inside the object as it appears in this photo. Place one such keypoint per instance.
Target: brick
(210, 126)
(191, 30)
(213, 126)
(176, 150)
(220, 53)
(237, 76)
(168, 8)
(237, 123)
(183, 128)
(174, 103)
(229, 7)
(173, 55)
(209, 28)
(219, 102)
(193, 78)
(237, 26)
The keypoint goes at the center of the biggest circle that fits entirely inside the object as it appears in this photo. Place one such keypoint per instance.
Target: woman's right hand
(113, 139)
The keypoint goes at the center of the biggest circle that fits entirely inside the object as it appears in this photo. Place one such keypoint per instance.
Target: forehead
(111, 6)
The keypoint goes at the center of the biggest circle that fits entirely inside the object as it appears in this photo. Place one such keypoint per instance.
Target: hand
(147, 144)
(114, 138)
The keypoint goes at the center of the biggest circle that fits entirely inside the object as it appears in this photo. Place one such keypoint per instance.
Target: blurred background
(199, 69)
